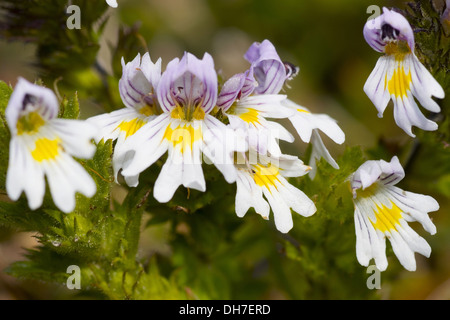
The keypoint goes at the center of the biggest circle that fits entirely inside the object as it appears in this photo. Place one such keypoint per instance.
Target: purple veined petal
(189, 82)
(139, 80)
(230, 91)
(30, 97)
(372, 171)
(152, 71)
(164, 90)
(372, 34)
(269, 70)
(249, 85)
(238, 86)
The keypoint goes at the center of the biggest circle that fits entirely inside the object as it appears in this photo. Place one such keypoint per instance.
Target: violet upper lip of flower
(42, 145)
(398, 74)
(383, 210)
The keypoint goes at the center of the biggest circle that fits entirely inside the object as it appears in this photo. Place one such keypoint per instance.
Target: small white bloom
(398, 74)
(137, 89)
(258, 175)
(383, 211)
(307, 125)
(42, 145)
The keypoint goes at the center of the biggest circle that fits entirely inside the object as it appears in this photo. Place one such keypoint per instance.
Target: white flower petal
(305, 122)
(249, 195)
(281, 211)
(148, 144)
(403, 252)
(24, 174)
(268, 105)
(168, 181)
(370, 243)
(297, 199)
(375, 86)
(424, 86)
(66, 177)
(110, 122)
(416, 207)
(319, 151)
(76, 136)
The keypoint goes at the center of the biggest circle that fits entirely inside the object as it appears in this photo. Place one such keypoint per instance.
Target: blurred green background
(324, 38)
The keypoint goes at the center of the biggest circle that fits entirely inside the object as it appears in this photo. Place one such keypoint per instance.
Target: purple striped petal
(139, 80)
(387, 173)
(238, 86)
(269, 70)
(189, 82)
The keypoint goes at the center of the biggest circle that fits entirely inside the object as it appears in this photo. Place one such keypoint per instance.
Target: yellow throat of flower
(266, 176)
(398, 49)
(188, 113)
(29, 123)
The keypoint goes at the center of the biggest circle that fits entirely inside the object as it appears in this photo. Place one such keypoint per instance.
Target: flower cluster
(185, 113)
(181, 112)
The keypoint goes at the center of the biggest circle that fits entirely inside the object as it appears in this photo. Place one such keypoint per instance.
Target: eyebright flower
(398, 74)
(137, 89)
(307, 125)
(259, 175)
(248, 98)
(187, 92)
(383, 210)
(42, 145)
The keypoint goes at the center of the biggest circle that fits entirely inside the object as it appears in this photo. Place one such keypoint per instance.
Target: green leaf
(5, 93)
(70, 108)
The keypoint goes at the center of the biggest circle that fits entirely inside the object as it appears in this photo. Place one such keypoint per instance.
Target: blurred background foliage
(129, 246)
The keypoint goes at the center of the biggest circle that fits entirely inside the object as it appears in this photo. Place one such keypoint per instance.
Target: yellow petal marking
(387, 218)
(29, 123)
(179, 113)
(266, 176)
(400, 82)
(184, 136)
(303, 110)
(251, 116)
(45, 149)
(131, 127)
